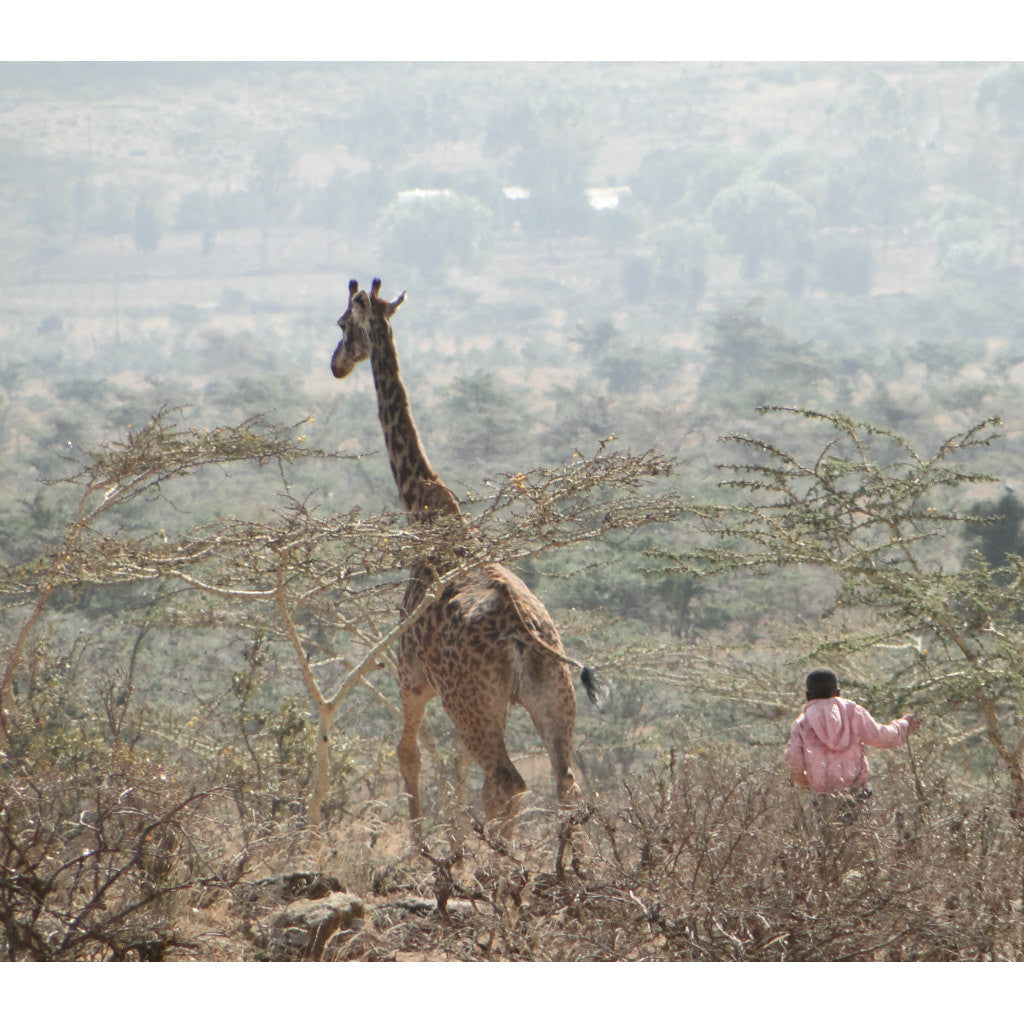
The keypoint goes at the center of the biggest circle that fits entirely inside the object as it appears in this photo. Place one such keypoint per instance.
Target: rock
(303, 928)
(310, 885)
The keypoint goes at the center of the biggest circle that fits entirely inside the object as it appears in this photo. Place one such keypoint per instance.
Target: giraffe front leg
(409, 763)
(503, 787)
(503, 792)
(569, 794)
(414, 706)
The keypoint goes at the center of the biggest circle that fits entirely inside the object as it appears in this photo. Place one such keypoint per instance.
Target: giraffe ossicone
(486, 642)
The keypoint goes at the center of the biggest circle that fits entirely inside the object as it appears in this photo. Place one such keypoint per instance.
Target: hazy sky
(532, 29)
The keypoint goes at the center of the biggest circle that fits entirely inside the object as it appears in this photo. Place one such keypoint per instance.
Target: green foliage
(433, 110)
(550, 147)
(752, 361)
(434, 233)
(195, 211)
(1003, 91)
(484, 422)
(996, 528)
(965, 239)
(761, 220)
(349, 203)
(683, 251)
(880, 186)
(799, 168)
(686, 180)
(269, 180)
(636, 279)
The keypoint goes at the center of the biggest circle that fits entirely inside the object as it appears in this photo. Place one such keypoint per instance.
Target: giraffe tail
(590, 684)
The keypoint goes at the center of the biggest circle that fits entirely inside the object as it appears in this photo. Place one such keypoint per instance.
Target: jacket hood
(828, 720)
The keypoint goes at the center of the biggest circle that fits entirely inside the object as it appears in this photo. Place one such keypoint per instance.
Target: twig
(918, 786)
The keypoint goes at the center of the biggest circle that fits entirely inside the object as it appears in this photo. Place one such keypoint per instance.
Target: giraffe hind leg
(552, 708)
(558, 743)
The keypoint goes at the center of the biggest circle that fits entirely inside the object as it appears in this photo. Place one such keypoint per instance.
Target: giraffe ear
(392, 306)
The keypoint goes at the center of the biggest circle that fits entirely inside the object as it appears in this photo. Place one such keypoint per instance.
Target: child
(826, 743)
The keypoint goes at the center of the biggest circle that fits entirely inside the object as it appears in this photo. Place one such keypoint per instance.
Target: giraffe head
(355, 324)
(354, 345)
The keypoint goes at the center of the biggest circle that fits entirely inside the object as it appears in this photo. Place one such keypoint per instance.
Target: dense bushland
(709, 857)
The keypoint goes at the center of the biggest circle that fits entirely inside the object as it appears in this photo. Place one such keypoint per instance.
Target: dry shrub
(731, 864)
(96, 866)
(716, 859)
(713, 858)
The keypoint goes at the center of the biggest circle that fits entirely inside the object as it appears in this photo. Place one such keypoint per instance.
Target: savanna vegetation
(724, 359)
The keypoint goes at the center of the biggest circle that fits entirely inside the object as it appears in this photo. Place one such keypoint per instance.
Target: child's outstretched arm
(895, 734)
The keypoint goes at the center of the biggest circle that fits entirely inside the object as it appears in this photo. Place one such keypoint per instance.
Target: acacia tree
(300, 575)
(114, 477)
(864, 506)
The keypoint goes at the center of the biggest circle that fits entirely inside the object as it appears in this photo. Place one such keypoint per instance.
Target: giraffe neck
(421, 491)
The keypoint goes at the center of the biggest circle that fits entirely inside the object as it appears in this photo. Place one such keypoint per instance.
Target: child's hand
(913, 723)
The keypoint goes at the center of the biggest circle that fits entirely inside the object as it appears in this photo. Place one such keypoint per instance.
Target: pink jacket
(826, 743)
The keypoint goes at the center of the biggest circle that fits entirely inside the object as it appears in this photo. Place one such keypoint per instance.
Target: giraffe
(487, 641)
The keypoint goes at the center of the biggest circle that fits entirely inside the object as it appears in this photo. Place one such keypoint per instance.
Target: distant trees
(48, 208)
(196, 212)
(112, 210)
(269, 183)
(844, 263)
(394, 117)
(434, 232)
(819, 207)
(881, 182)
(995, 527)
(350, 201)
(752, 361)
(761, 220)
(681, 182)
(966, 237)
(64, 201)
(881, 185)
(485, 421)
(636, 277)
(1002, 92)
(682, 252)
(548, 148)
